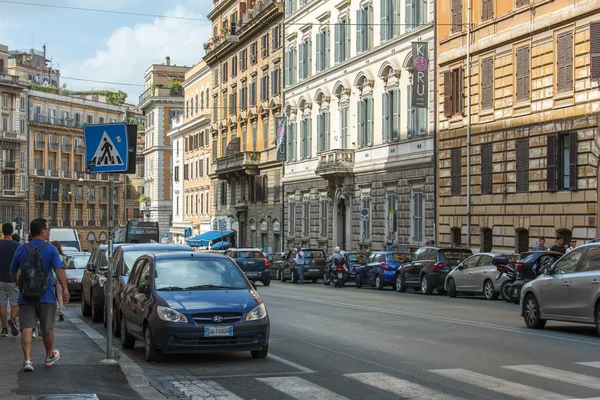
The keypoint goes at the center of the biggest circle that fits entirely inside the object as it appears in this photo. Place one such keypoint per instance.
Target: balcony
(6, 77)
(13, 193)
(40, 144)
(66, 222)
(7, 164)
(13, 136)
(103, 198)
(160, 91)
(39, 172)
(68, 122)
(237, 163)
(53, 146)
(335, 163)
(78, 149)
(54, 173)
(66, 148)
(79, 198)
(92, 222)
(78, 222)
(67, 198)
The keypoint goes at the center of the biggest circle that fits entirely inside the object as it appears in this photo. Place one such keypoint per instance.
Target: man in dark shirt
(559, 246)
(8, 288)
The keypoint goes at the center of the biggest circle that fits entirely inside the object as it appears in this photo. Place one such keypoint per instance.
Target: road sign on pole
(364, 214)
(106, 147)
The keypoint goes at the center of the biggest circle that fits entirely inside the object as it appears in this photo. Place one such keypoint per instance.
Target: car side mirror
(90, 267)
(144, 289)
(254, 285)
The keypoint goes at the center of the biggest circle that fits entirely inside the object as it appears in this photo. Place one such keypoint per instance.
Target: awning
(204, 239)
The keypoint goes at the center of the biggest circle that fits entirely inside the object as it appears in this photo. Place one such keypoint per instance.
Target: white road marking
(400, 387)
(300, 389)
(290, 364)
(499, 385)
(558, 375)
(205, 389)
(593, 364)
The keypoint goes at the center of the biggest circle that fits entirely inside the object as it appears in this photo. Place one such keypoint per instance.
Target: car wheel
(598, 319)
(425, 286)
(532, 313)
(85, 309)
(281, 277)
(378, 283)
(489, 291)
(326, 281)
(358, 282)
(266, 282)
(127, 341)
(116, 325)
(260, 353)
(150, 351)
(400, 285)
(451, 288)
(97, 312)
(505, 290)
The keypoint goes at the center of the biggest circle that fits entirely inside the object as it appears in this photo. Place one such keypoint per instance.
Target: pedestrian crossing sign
(106, 147)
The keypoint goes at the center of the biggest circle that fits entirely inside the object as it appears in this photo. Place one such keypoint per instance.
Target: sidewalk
(79, 370)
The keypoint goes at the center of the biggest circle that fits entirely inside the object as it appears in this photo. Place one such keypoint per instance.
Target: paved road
(337, 344)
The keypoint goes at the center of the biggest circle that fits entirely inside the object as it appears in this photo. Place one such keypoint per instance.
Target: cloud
(129, 51)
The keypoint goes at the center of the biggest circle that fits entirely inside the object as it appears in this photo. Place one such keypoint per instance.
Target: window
(456, 15)
(223, 191)
(568, 263)
(564, 62)
(291, 144)
(487, 242)
(290, 67)
(456, 236)
(275, 81)
(253, 93)
(323, 131)
(90, 119)
(253, 51)
(322, 50)
(364, 28)
(306, 218)
(234, 66)
(277, 187)
(304, 60)
(486, 169)
(260, 187)
(591, 262)
(264, 45)
(562, 162)
(22, 160)
(290, 7)
(453, 92)
(522, 165)
(487, 9)
(417, 216)
(391, 221)
(305, 137)
(276, 34)
(365, 122)
(22, 103)
(323, 217)
(224, 72)
(233, 103)
(243, 98)
(344, 127)
(522, 2)
(176, 174)
(365, 226)
(522, 77)
(417, 117)
(265, 132)
(4, 98)
(264, 87)
(415, 13)
(196, 104)
(390, 115)
(5, 124)
(101, 120)
(487, 83)
(291, 218)
(389, 19)
(342, 40)
(232, 187)
(595, 50)
(456, 172)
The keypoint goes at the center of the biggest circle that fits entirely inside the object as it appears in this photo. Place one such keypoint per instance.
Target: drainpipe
(469, 124)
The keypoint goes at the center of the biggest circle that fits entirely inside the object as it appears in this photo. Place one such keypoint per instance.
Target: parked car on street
(379, 270)
(314, 265)
(476, 275)
(429, 267)
(124, 258)
(567, 291)
(76, 263)
(192, 303)
(92, 283)
(355, 260)
(253, 263)
(275, 260)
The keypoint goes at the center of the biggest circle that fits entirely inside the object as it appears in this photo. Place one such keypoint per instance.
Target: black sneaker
(13, 327)
(61, 317)
(4, 332)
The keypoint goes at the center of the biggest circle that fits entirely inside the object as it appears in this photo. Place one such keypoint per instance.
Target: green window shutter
(320, 132)
(326, 123)
(395, 106)
(385, 120)
(360, 32)
(361, 123)
(319, 50)
(384, 20)
(369, 130)
(410, 118)
(338, 43)
(308, 153)
(410, 8)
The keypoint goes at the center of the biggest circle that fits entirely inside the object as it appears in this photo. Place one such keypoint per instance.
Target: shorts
(8, 293)
(29, 314)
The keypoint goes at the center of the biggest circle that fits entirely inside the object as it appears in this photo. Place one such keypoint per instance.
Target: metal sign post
(111, 269)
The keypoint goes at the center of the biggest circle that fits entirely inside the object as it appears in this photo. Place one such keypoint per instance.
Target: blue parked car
(182, 303)
(380, 269)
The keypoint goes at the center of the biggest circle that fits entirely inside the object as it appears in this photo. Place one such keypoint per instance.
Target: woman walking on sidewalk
(57, 286)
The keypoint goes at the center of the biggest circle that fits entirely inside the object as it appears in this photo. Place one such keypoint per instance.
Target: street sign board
(364, 214)
(187, 232)
(106, 147)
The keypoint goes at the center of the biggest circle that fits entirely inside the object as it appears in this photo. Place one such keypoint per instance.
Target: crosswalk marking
(498, 385)
(300, 389)
(593, 364)
(558, 375)
(405, 389)
(205, 389)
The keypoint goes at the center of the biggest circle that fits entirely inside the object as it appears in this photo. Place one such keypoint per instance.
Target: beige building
(33, 66)
(190, 140)
(13, 143)
(59, 188)
(529, 167)
(161, 101)
(245, 56)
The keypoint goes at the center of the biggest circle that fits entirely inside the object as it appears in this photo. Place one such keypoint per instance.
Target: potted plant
(143, 198)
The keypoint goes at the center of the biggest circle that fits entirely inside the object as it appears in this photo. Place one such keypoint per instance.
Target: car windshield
(131, 256)
(314, 254)
(398, 258)
(358, 257)
(70, 243)
(248, 254)
(454, 256)
(198, 274)
(77, 262)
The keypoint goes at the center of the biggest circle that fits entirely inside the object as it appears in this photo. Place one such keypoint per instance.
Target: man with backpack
(36, 261)
(8, 291)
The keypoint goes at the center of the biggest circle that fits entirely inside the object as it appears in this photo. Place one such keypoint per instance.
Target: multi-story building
(160, 102)
(246, 59)
(360, 124)
(33, 66)
(518, 122)
(59, 188)
(190, 140)
(13, 143)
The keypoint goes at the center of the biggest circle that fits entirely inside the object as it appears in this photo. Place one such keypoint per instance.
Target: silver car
(476, 275)
(567, 291)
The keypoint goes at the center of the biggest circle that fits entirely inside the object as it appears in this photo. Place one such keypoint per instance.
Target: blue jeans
(300, 269)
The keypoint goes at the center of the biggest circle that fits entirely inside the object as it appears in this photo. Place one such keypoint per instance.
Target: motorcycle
(505, 288)
(526, 274)
(336, 274)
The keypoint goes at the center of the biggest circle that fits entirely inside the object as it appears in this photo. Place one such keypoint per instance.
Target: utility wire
(95, 81)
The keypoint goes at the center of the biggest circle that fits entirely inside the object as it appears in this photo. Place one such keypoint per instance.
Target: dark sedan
(192, 303)
(92, 284)
(76, 263)
(314, 265)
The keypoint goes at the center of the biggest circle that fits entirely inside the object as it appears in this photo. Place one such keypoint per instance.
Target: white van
(68, 237)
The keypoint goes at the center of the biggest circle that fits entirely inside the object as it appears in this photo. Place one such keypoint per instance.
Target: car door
(363, 271)
(129, 290)
(408, 269)
(462, 275)
(86, 280)
(139, 300)
(556, 292)
(482, 272)
(585, 284)
(118, 273)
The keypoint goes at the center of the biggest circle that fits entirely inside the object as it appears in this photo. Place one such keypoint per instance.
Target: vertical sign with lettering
(280, 127)
(420, 92)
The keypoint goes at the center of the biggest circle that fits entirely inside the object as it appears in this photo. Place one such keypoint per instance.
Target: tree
(116, 98)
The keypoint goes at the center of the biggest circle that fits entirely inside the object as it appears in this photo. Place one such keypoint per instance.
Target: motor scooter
(510, 271)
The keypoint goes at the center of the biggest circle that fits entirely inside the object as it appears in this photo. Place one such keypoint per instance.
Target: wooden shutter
(456, 172)
(551, 163)
(595, 50)
(326, 124)
(360, 30)
(573, 147)
(484, 10)
(487, 83)
(523, 165)
(460, 106)
(369, 122)
(560, 62)
(258, 187)
(569, 61)
(486, 168)
(523, 73)
(361, 123)
(456, 15)
(519, 74)
(338, 43)
(409, 14)
(448, 94)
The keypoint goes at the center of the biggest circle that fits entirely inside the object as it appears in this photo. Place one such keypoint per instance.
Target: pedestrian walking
(8, 288)
(36, 261)
(300, 264)
(541, 245)
(572, 246)
(560, 245)
(57, 285)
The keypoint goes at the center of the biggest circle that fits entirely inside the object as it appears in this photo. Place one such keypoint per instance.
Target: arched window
(192, 106)
(202, 101)
(486, 240)
(207, 99)
(187, 108)
(456, 237)
(196, 103)
(522, 240)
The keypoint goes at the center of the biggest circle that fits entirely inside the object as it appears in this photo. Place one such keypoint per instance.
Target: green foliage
(175, 84)
(116, 98)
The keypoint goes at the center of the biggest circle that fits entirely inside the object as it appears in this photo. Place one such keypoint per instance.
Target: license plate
(252, 274)
(313, 270)
(340, 275)
(218, 331)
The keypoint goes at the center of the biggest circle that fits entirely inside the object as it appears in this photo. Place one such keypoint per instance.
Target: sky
(107, 46)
